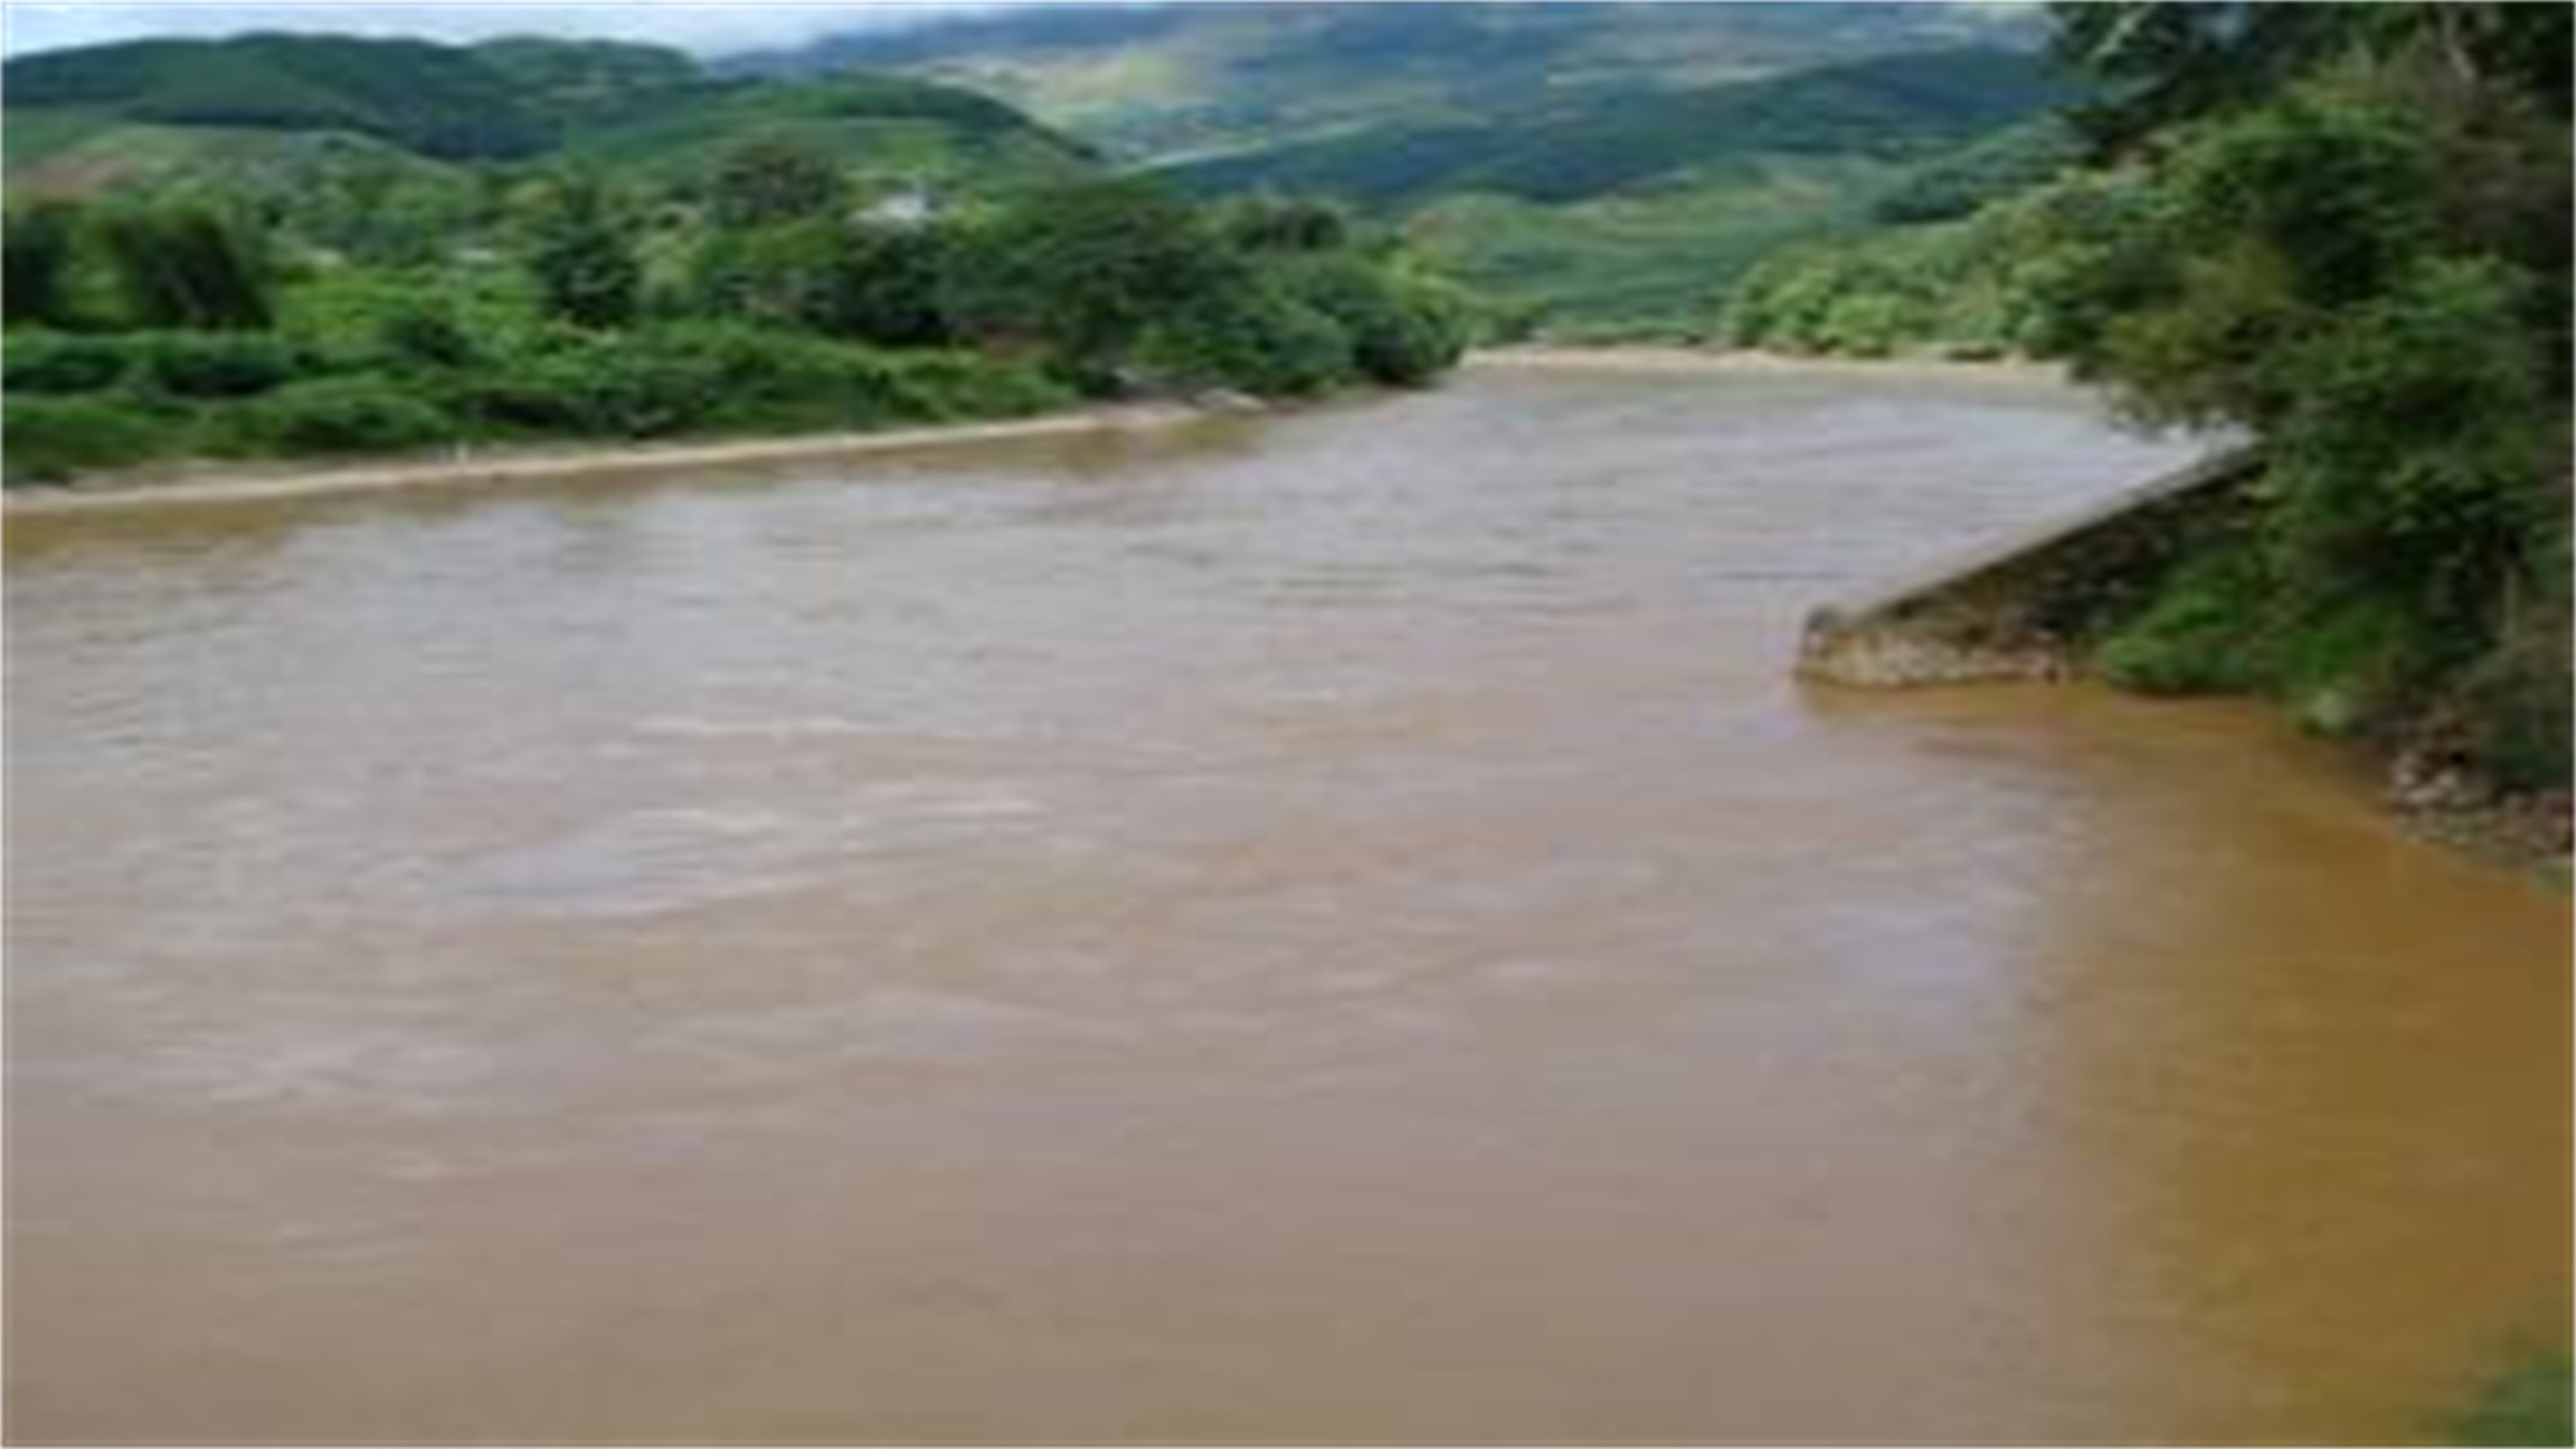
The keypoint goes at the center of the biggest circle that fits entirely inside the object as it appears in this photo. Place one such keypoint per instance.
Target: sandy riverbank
(1634, 358)
(270, 481)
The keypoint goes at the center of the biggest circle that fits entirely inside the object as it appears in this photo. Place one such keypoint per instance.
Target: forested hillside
(1162, 83)
(1589, 170)
(219, 114)
(2344, 230)
(316, 245)
(1888, 109)
(432, 99)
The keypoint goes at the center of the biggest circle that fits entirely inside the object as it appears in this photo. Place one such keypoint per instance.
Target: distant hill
(1886, 108)
(434, 100)
(1163, 83)
(1591, 169)
(1627, 214)
(263, 114)
(1594, 169)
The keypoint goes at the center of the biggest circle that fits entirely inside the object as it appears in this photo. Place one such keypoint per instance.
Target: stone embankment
(2020, 609)
(2016, 608)
(2438, 799)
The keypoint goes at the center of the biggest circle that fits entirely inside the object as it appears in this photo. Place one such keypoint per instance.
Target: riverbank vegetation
(775, 284)
(2343, 231)
(2533, 1402)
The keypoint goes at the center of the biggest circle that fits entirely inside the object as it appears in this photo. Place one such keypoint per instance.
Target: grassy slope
(32, 136)
(223, 163)
(889, 133)
(1640, 265)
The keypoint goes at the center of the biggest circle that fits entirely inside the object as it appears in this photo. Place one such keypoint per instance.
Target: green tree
(888, 291)
(1085, 268)
(770, 179)
(1257, 337)
(2164, 64)
(779, 275)
(1267, 222)
(586, 269)
(865, 282)
(184, 266)
(1403, 331)
(2347, 232)
(37, 250)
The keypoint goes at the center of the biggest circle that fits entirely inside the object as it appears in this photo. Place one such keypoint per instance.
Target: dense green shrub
(50, 439)
(1086, 270)
(185, 266)
(360, 315)
(532, 393)
(63, 362)
(1260, 339)
(652, 389)
(2200, 633)
(427, 333)
(964, 385)
(1963, 288)
(551, 392)
(784, 274)
(1267, 222)
(887, 287)
(2415, 460)
(216, 364)
(864, 282)
(39, 247)
(2345, 266)
(583, 257)
(1402, 331)
(715, 377)
(2532, 1401)
(358, 414)
(775, 178)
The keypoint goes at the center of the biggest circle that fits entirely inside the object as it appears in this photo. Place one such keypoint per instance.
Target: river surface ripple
(1327, 928)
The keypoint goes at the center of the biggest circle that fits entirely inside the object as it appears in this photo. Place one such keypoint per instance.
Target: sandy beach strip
(501, 467)
(1638, 357)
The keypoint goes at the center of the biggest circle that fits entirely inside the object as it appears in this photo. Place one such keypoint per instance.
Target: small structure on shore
(2018, 608)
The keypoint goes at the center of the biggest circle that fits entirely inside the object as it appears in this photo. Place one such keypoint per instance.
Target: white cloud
(709, 27)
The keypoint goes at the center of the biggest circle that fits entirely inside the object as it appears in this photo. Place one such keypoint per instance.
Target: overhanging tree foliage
(2345, 227)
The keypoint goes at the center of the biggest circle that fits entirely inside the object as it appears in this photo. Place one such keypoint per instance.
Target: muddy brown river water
(1326, 928)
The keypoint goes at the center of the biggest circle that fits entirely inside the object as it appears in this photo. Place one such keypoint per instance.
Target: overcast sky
(710, 27)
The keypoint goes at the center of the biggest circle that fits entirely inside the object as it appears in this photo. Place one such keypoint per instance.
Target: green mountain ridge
(262, 116)
(1163, 83)
(1592, 170)
(1886, 108)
